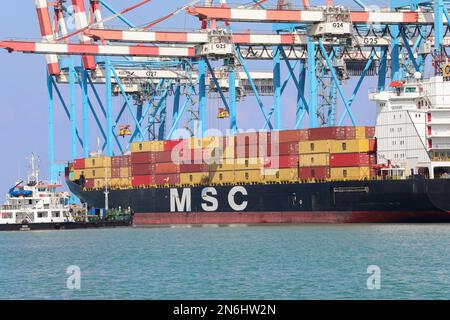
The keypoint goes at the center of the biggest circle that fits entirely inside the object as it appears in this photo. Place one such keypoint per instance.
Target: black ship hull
(388, 201)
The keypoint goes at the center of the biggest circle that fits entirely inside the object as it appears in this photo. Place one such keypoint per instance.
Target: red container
(115, 173)
(116, 162)
(373, 159)
(282, 162)
(142, 169)
(163, 156)
(138, 181)
(370, 132)
(162, 168)
(350, 160)
(374, 173)
(319, 173)
(142, 157)
(245, 139)
(327, 133)
(350, 133)
(169, 145)
(162, 179)
(293, 135)
(120, 161)
(187, 168)
(79, 164)
(89, 183)
(373, 145)
(287, 148)
(249, 151)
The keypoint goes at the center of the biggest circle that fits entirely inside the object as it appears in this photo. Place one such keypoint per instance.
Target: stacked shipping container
(96, 171)
(120, 172)
(335, 153)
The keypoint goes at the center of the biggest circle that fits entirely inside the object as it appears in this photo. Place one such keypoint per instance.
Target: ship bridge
(413, 125)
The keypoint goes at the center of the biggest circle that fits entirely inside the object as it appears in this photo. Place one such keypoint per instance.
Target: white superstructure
(413, 126)
(35, 201)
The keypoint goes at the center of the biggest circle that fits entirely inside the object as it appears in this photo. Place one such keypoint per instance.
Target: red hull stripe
(143, 219)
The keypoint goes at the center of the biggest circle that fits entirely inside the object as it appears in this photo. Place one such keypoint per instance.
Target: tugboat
(37, 205)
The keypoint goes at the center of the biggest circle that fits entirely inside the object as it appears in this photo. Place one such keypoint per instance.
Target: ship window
(220, 176)
(190, 178)
(312, 146)
(93, 172)
(6, 215)
(93, 162)
(42, 214)
(140, 146)
(246, 176)
(277, 174)
(246, 163)
(344, 173)
(312, 160)
(344, 146)
(55, 214)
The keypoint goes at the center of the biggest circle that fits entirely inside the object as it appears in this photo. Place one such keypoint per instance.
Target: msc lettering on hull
(183, 202)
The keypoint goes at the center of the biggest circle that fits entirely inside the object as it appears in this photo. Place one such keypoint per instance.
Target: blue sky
(23, 100)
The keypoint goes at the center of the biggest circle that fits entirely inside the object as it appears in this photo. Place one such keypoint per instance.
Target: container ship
(397, 171)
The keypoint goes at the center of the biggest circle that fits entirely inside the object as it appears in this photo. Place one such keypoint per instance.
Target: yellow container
(99, 183)
(119, 183)
(77, 174)
(193, 178)
(271, 175)
(289, 175)
(207, 142)
(360, 133)
(281, 175)
(97, 162)
(314, 160)
(350, 146)
(350, 173)
(248, 176)
(228, 152)
(97, 173)
(224, 165)
(211, 142)
(147, 146)
(125, 172)
(317, 146)
(115, 183)
(222, 177)
(249, 163)
(195, 143)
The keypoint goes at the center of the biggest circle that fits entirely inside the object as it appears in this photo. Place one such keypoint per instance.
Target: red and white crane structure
(327, 43)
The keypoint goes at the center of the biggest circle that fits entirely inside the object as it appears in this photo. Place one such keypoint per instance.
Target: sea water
(294, 262)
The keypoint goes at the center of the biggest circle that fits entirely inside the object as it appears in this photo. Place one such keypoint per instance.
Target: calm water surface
(301, 262)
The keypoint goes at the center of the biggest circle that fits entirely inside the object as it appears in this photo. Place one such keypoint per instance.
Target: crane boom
(309, 16)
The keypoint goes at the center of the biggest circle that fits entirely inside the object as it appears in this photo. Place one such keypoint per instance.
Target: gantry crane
(318, 47)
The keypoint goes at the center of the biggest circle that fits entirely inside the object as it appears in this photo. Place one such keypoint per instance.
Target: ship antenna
(98, 146)
(33, 176)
